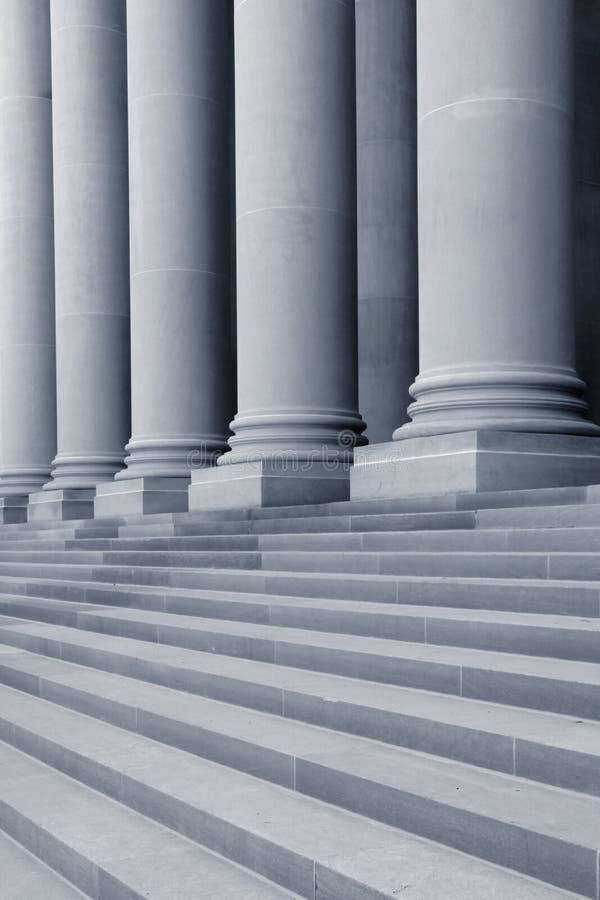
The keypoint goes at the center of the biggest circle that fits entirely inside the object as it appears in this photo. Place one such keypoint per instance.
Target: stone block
(473, 462)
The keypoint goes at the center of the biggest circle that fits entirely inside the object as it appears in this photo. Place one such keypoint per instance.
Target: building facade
(235, 234)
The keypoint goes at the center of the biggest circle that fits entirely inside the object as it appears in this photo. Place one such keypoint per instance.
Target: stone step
(562, 637)
(103, 847)
(51, 536)
(556, 750)
(539, 831)
(474, 540)
(300, 524)
(519, 595)
(24, 877)
(537, 565)
(560, 686)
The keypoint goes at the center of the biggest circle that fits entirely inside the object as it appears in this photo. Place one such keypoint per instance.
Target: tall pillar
(180, 58)
(587, 198)
(91, 236)
(497, 401)
(386, 102)
(27, 398)
(297, 414)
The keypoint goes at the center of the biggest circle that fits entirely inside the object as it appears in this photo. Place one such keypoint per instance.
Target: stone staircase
(356, 700)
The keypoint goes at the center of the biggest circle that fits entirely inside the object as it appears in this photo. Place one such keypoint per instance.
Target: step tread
(282, 816)
(26, 878)
(116, 842)
(582, 672)
(526, 724)
(546, 729)
(584, 624)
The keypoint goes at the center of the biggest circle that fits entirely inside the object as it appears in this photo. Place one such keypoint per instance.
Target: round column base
(548, 401)
(15, 482)
(301, 436)
(82, 471)
(171, 457)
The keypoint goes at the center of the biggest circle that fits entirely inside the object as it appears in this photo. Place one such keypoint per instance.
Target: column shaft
(27, 397)
(387, 211)
(91, 233)
(495, 97)
(180, 60)
(296, 229)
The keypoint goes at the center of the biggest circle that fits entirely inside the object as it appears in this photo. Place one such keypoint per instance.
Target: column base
(61, 505)
(473, 461)
(141, 496)
(269, 483)
(13, 509)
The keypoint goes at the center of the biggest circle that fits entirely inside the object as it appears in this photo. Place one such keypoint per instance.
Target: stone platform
(325, 700)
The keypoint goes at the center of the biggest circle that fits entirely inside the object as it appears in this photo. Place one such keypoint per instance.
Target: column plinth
(92, 248)
(179, 85)
(496, 313)
(27, 357)
(296, 258)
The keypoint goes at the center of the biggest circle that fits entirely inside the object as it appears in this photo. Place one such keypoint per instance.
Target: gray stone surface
(386, 109)
(496, 311)
(27, 361)
(179, 86)
(587, 197)
(296, 232)
(141, 496)
(89, 131)
(472, 461)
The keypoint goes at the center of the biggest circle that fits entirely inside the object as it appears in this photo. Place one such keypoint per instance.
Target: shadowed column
(180, 58)
(498, 401)
(91, 233)
(296, 257)
(387, 211)
(27, 396)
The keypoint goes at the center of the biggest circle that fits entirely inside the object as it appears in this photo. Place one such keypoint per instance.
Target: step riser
(510, 689)
(502, 753)
(546, 598)
(479, 565)
(507, 638)
(74, 867)
(520, 597)
(551, 860)
(281, 866)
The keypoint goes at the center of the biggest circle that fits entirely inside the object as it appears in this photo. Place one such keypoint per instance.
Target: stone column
(496, 316)
(296, 257)
(180, 61)
(386, 102)
(27, 398)
(91, 236)
(587, 198)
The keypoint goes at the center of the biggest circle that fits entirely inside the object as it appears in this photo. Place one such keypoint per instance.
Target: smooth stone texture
(268, 483)
(496, 310)
(60, 505)
(27, 358)
(13, 509)
(180, 58)
(92, 240)
(141, 496)
(473, 461)
(387, 212)
(296, 232)
(24, 877)
(587, 198)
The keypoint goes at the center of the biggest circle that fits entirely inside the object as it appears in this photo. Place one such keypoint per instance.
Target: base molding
(61, 505)
(141, 496)
(472, 462)
(268, 483)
